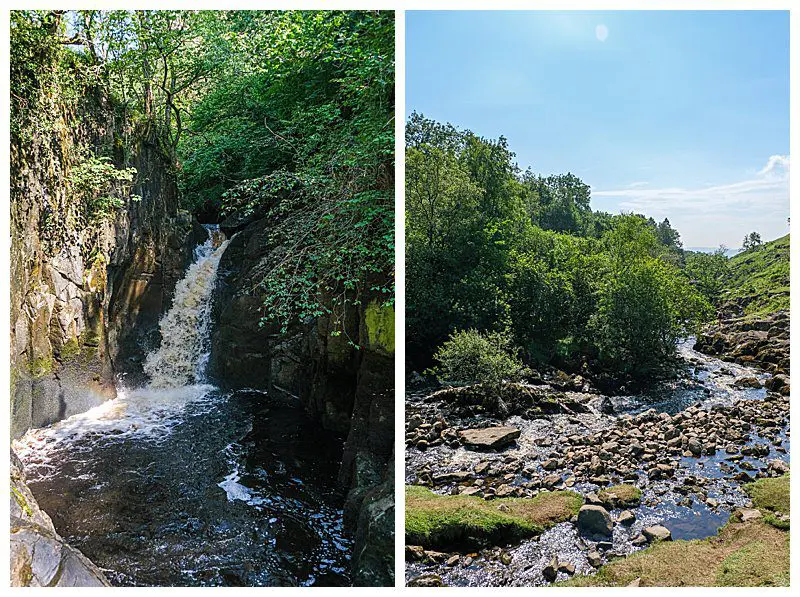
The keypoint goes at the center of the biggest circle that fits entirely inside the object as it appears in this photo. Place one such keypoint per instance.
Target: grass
(446, 521)
(760, 277)
(771, 495)
(621, 496)
(742, 554)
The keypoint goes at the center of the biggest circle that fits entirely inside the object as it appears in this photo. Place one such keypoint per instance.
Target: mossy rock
(465, 522)
(40, 367)
(379, 320)
(621, 496)
(70, 349)
(772, 497)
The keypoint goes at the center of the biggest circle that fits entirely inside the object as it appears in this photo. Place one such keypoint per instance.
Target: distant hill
(728, 253)
(758, 280)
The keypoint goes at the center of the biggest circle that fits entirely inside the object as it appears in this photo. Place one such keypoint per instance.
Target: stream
(692, 504)
(181, 484)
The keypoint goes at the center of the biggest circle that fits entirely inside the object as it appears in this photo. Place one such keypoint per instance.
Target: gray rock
(490, 438)
(657, 533)
(595, 520)
(39, 556)
(594, 558)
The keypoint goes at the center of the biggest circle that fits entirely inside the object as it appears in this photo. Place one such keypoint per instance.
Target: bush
(471, 357)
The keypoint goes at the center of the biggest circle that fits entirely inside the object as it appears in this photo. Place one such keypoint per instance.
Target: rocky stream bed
(668, 464)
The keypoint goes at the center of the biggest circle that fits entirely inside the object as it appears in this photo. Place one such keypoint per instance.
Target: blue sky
(682, 115)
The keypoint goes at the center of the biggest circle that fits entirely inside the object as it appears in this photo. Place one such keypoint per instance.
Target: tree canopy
(493, 250)
(266, 112)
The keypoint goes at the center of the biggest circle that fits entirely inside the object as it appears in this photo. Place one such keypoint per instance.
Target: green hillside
(758, 280)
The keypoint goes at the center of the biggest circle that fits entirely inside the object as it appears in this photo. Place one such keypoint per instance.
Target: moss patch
(771, 496)
(40, 366)
(380, 326)
(70, 349)
(621, 496)
(434, 520)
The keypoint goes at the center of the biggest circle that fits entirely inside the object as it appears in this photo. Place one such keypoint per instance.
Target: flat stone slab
(489, 438)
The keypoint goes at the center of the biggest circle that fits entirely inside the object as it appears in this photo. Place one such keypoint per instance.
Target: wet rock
(39, 556)
(566, 568)
(594, 558)
(452, 561)
(489, 438)
(626, 518)
(550, 572)
(415, 552)
(456, 476)
(657, 533)
(748, 382)
(595, 520)
(426, 580)
(778, 467)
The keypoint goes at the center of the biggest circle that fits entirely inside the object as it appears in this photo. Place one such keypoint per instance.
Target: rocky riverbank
(762, 342)
(39, 556)
(668, 465)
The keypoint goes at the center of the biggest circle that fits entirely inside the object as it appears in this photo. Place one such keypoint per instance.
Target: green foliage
(751, 241)
(489, 248)
(707, 272)
(645, 304)
(471, 357)
(759, 280)
(300, 121)
(97, 182)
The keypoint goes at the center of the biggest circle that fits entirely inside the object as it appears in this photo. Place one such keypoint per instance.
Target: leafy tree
(707, 271)
(751, 241)
(471, 357)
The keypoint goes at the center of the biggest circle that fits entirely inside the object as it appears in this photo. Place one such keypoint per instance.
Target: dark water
(225, 490)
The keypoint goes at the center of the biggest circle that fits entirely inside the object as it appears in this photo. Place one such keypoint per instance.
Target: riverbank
(685, 451)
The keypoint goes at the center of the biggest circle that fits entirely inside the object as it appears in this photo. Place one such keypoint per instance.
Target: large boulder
(488, 438)
(595, 521)
(39, 556)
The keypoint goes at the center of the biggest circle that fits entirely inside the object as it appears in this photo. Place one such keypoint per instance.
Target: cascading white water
(182, 356)
(176, 369)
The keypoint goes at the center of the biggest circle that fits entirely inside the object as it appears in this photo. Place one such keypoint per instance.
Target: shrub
(469, 356)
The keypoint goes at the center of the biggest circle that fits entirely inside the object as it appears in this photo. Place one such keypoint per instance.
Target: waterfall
(176, 369)
(182, 356)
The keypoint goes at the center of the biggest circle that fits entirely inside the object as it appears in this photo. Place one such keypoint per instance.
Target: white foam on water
(182, 356)
(176, 370)
(139, 413)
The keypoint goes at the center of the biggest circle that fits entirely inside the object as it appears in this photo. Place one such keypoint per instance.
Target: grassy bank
(447, 521)
(743, 554)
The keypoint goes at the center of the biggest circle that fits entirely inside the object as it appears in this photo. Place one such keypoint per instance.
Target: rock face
(39, 557)
(761, 342)
(86, 294)
(489, 438)
(349, 390)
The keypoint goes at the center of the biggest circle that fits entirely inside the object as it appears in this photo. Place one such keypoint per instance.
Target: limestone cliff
(86, 291)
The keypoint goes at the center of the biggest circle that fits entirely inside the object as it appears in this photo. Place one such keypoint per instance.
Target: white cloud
(707, 216)
(776, 163)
